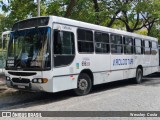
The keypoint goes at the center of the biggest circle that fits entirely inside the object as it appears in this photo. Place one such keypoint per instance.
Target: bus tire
(84, 85)
(139, 76)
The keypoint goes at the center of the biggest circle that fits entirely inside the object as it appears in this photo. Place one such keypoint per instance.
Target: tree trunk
(70, 8)
(96, 9)
(113, 19)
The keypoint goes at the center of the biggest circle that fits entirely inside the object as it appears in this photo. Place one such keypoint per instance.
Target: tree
(151, 14)
(2, 19)
(139, 14)
(20, 9)
(129, 15)
(96, 9)
(70, 8)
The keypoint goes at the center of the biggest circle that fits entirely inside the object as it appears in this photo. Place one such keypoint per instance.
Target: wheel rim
(83, 84)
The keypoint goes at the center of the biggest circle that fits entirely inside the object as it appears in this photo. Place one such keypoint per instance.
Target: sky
(6, 2)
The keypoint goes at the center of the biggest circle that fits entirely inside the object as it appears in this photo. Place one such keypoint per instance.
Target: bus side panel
(147, 60)
(155, 69)
(98, 64)
(100, 78)
(130, 73)
(138, 60)
(108, 77)
(64, 83)
(147, 70)
(115, 75)
(155, 60)
(122, 62)
(105, 77)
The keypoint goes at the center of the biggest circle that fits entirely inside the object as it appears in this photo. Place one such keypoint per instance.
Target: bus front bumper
(27, 86)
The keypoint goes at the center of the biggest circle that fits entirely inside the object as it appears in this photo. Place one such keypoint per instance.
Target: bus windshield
(29, 49)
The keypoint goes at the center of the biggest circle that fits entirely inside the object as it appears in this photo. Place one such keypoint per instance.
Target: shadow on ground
(24, 99)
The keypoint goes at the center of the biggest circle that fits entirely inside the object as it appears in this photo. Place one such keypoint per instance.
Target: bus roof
(81, 24)
(97, 27)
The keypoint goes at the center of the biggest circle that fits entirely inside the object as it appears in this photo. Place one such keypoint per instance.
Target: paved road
(115, 96)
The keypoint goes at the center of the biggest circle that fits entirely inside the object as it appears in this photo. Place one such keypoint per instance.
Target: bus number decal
(86, 61)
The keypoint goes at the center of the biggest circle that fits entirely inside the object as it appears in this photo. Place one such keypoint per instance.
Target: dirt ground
(3, 88)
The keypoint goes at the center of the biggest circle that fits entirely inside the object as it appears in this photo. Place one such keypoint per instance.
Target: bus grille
(22, 73)
(22, 80)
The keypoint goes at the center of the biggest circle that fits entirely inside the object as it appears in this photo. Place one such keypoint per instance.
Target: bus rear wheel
(84, 85)
(139, 75)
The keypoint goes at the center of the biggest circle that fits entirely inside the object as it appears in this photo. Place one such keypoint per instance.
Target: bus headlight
(8, 78)
(40, 80)
(34, 80)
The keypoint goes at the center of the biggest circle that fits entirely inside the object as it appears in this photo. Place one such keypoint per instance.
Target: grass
(5, 91)
(2, 60)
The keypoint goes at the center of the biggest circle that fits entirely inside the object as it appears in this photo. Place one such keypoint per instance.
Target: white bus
(54, 54)
(3, 54)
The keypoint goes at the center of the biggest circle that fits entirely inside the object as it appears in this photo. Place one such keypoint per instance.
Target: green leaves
(130, 15)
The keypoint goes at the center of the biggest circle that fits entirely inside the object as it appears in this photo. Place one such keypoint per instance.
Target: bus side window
(101, 42)
(147, 49)
(57, 43)
(63, 43)
(138, 46)
(128, 45)
(154, 48)
(85, 41)
(116, 44)
(64, 49)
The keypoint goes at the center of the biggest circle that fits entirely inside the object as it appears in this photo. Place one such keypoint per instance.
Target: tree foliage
(129, 15)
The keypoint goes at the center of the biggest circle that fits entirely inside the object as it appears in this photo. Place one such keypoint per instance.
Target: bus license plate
(23, 87)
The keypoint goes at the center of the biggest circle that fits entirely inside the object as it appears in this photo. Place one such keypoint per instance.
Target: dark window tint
(102, 48)
(63, 43)
(116, 39)
(64, 49)
(101, 42)
(81, 34)
(101, 37)
(89, 36)
(34, 22)
(85, 46)
(105, 38)
(85, 35)
(116, 48)
(85, 40)
(116, 44)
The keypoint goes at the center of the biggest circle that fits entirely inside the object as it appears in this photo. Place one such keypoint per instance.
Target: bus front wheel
(84, 84)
